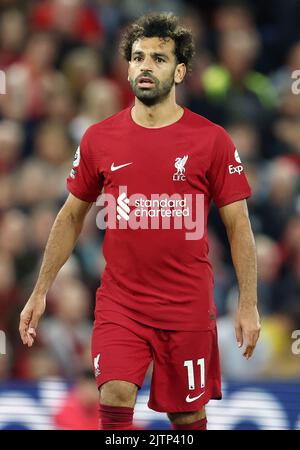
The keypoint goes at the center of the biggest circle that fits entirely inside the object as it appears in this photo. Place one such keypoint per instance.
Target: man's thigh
(119, 351)
(186, 371)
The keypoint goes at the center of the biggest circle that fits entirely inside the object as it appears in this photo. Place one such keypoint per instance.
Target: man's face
(152, 69)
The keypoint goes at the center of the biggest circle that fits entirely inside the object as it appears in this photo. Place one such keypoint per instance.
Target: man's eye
(137, 58)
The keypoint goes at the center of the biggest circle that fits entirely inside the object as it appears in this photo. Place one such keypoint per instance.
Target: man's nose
(147, 65)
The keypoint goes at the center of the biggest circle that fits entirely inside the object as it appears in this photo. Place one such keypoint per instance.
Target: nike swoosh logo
(113, 167)
(192, 399)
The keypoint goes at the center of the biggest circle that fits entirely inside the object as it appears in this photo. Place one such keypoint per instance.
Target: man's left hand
(247, 328)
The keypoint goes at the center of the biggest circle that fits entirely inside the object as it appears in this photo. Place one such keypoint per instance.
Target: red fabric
(115, 418)
(123, 348)
(74, 416)
(198, 425)
(159, 276)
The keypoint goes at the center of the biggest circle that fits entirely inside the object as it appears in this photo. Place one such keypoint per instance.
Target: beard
(154, 95)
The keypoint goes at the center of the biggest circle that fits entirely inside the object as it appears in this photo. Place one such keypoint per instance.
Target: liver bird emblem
(179, 164)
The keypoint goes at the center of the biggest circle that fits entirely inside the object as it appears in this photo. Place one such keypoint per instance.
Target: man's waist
(160, 285)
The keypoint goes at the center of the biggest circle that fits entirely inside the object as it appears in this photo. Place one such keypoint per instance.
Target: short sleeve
(84, 180)
(228, 182)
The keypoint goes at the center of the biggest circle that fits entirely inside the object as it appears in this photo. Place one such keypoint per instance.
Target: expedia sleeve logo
(236, 169)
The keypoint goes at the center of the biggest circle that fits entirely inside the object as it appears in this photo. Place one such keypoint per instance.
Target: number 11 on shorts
(189, 364)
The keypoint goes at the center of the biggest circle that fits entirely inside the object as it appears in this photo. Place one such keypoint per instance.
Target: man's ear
(179, 73)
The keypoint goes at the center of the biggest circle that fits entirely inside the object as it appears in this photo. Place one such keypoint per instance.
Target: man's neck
(156, 116)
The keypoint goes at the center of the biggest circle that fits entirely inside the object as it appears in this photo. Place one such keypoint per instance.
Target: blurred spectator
(234, 16)
(40, 364)
(71, 19)
(60, 104)
(279, 206)
(7, 192)
(79, 410)
(291, 238)
(101, 99)
(13, 233)
(251, 93)
(287, 294)
(37, 182)
(11, 140)
(12, 35)
(29, 79)
(81, 66)
(52, 143)
(246, 138)
(40, 223)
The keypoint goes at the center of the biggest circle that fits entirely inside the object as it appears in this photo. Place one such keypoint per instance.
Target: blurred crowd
(63, 73)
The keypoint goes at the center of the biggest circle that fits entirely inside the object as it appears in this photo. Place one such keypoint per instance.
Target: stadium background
(63, 73)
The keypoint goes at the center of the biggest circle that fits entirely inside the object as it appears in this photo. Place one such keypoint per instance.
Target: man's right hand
(29, 318)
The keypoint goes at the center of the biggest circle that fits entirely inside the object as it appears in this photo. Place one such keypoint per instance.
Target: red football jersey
(157, 187)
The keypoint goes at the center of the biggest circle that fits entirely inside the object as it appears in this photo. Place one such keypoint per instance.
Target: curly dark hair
(163, 26)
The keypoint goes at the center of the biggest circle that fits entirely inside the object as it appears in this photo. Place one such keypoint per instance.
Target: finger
(239, 335)
(31, 335)
(248, 352)
(251, 338)
(30, 340)
(34, 323)
(24, 336)
(31, 332)
(23, 329)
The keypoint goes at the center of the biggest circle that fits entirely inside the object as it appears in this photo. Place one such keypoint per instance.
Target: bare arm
(236, 220)
(62, 239)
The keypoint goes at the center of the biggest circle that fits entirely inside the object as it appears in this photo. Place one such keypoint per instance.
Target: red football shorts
(186, 366)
